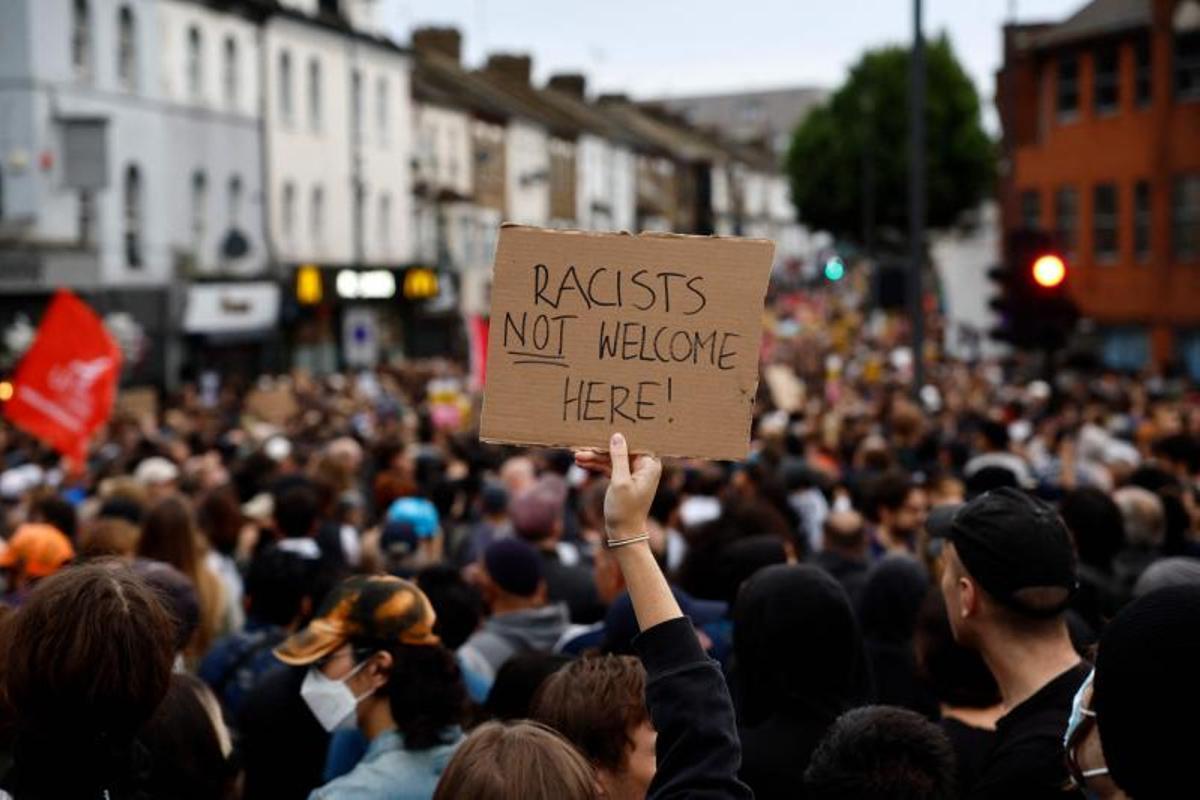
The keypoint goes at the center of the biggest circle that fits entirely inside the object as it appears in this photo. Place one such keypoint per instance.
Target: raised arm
(698, 750)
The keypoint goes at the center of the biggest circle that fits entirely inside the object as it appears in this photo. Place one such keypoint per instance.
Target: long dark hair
(187, 761)
(426, 694)
(84, 663)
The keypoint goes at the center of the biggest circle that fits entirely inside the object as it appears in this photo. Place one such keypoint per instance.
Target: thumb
(619, 453)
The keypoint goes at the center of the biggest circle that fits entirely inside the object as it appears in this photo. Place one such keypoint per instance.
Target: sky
(659, 48)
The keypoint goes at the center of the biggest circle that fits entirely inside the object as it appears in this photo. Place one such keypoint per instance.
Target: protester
(188, 744)
(887, 614)
(900, 507)
(169, 535)
(1123, 738)
(597, 704)
(521, 620)
(518, 682)
(966, 693)
(537, 518)
(517, 761)
(881, 753)
(374, 663)
(1008, 578)
(35, 552)
(86, 661)
(843, 552)
(278, 598)
(799, 665)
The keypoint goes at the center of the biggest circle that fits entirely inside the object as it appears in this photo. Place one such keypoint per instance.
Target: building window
(81, 39)
(1067, 88)
(1066, 219)
(126, 48)
(316, 216)
(314, 95)
(199, 204)
(87, 216)
(1106, 80)
(230, 80)
(356, 103)
(1141, 221)
(235, 200)
(385, 224)
(1187, 64)
(1031, 209)
(1105, 228)
(1143, 83)
(133, 217)
(1185, 218)
(285, 87)
(381, 110)
(289, 212)
(195, 63)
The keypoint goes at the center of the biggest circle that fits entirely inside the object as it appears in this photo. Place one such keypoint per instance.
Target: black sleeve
(698, 749)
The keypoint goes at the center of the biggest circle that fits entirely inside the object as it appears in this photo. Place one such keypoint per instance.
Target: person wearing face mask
(1123, 738)
(375, 664)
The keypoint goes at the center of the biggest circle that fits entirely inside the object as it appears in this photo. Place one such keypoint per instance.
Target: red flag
(65, 385)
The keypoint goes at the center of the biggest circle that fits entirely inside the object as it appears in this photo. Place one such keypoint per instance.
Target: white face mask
(330, 701)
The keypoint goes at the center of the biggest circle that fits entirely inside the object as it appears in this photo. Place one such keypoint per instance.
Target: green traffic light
(835, 270)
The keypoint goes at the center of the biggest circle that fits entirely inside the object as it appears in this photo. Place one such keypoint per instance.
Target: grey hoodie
(506, 635)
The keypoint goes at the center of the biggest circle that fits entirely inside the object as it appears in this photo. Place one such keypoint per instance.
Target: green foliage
(863, 130)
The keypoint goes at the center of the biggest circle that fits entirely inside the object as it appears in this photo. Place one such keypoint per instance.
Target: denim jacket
(389, 772)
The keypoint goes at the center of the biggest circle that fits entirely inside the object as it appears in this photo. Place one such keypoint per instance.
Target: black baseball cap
(1009, 540)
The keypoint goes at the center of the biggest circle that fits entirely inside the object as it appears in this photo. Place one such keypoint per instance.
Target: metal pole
(916, 197)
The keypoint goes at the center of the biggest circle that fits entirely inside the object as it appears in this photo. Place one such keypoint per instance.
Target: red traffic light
(1049, 271)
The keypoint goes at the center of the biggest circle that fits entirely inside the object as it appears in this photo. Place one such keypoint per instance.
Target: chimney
(444, 41)
(572, 83)
(510, 66)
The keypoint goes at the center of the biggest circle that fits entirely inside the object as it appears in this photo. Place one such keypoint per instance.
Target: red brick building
(1101, 120)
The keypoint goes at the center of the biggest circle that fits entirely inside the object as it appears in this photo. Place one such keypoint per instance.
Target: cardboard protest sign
(655, 335)
(787, 390)
(140, 403)
(275, 405)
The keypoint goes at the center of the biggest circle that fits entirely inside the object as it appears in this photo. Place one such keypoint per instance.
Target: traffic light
(1032, 302)
(835, 269)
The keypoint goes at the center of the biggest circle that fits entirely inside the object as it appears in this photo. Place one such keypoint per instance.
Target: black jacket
(698, 749)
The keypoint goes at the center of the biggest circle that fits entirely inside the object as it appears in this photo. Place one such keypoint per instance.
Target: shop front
(357, 318)
(232, 329)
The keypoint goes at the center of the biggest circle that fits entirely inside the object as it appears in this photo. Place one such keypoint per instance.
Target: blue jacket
(389, 772)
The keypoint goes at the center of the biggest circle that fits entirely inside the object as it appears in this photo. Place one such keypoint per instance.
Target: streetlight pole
(916, 197)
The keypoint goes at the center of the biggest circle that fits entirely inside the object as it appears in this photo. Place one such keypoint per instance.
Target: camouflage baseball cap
(379, 609)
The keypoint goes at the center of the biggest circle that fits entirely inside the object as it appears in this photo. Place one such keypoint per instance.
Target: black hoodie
(798, 665)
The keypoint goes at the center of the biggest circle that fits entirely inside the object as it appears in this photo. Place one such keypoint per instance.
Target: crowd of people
(990, 591)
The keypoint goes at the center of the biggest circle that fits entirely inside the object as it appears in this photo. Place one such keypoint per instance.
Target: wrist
(616, 533)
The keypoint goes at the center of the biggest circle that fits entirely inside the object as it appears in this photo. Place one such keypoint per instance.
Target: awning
(224, 308)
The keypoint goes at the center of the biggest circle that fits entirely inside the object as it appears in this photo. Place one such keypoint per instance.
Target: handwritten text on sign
(654, 335)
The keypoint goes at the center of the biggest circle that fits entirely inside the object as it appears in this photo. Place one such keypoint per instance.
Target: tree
(851, 154)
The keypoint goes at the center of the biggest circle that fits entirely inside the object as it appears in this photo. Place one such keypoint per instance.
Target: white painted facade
(337, 108)
(605, 185)
(212, 161)
(962, 257)
(442, 153)
(384, 145)
(126, 63)
(527, 173)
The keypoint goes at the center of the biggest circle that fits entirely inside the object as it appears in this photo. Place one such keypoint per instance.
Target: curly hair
(596, 703)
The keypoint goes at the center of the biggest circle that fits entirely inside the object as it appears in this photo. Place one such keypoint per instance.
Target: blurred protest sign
(140, 403)
(787, 390)
(64, 387)
(276, 404)
(656, 335)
